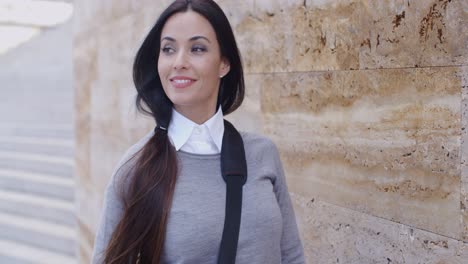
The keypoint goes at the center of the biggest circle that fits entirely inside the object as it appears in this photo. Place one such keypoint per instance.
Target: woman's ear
(224, 67)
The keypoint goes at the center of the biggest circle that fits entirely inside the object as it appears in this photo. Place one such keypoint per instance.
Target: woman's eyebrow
(194, 38)
(168, 38)
(199, 37)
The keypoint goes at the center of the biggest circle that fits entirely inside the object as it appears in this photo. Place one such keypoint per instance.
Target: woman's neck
(198, 116)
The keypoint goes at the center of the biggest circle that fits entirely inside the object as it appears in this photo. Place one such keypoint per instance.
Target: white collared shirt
(191, 137)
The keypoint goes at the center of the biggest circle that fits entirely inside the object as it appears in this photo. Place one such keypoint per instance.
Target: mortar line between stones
(463, 144)
(350, 70)
(387, 220)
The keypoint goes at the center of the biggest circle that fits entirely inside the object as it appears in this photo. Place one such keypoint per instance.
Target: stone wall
(366, 100)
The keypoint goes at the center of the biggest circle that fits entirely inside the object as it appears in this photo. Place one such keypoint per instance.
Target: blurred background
(366, 100)
(37, 208)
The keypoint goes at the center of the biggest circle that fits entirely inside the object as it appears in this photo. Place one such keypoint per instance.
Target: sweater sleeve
(291, 246)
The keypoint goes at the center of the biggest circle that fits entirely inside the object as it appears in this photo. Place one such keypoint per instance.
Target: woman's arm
(291, 246)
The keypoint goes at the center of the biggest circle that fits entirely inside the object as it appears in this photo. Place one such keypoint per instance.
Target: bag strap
(234, 171)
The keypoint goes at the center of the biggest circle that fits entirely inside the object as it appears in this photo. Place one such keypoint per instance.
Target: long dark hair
(148, 192)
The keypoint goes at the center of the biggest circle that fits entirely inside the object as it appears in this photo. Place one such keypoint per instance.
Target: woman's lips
(181, 82)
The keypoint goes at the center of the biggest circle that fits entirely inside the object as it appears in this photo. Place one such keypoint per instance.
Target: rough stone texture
(84, 59)
(278, 36)
(106, 124)
(249, 116)
(387, 140)
(334, 234)
(366, 100)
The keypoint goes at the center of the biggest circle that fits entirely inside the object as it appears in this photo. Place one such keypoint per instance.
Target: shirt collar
(181, 128)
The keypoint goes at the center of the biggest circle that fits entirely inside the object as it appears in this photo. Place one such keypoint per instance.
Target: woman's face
(190, 65)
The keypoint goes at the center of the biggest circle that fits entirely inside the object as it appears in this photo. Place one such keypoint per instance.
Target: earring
(221, 76)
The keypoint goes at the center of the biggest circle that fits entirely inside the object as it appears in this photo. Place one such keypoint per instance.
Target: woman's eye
(198, 49)
(167, 50)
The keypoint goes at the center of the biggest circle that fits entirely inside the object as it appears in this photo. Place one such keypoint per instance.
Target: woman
(166, 201)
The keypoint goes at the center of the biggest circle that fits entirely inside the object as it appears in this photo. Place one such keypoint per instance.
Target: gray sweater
(268, 232)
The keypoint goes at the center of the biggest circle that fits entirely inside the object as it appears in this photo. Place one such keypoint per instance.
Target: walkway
(37, 209)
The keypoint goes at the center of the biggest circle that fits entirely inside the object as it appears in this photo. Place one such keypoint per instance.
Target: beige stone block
(106, 121)
(85, 243)
(90, 15)
(84, 77)
(248, 117)
(360, 34)
(85, 59)
(334, 234)
(113, 124)
(384, 142)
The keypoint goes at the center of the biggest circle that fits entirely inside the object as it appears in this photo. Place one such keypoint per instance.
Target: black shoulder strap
(234, 171)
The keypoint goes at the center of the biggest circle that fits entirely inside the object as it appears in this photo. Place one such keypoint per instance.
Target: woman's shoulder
(261, 153)
(128, 159)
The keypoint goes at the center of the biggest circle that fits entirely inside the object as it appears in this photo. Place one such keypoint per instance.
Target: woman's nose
(181, 61)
